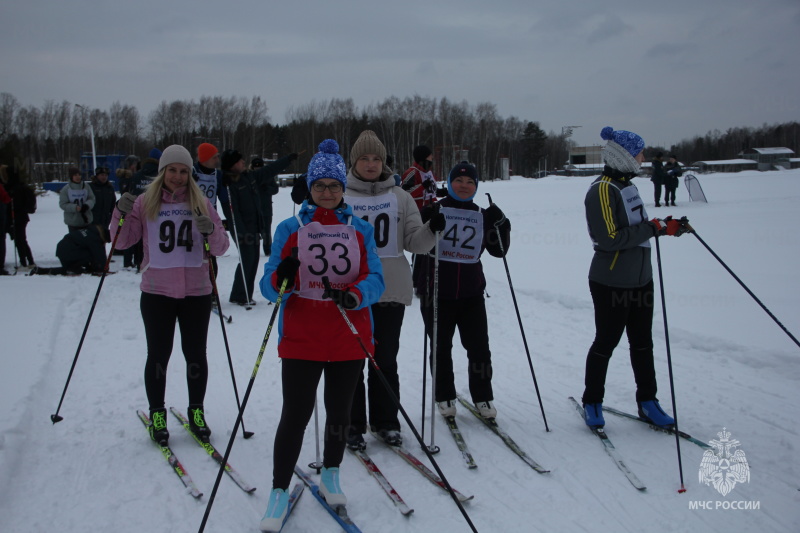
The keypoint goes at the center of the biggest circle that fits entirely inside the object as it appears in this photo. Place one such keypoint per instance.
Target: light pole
(91, 132)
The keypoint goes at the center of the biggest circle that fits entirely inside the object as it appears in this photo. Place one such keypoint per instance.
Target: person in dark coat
(674, 172)
(659, 177)
(105, 198)
(267, 188)
(23, 205)
(469, 230)
(81, 251)
(137, 186)
(247, 224)
(5, 208)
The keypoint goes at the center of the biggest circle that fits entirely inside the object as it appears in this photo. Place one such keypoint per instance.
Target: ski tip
(56, 418)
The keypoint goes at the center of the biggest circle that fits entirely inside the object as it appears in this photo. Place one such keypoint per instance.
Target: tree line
(60, 132)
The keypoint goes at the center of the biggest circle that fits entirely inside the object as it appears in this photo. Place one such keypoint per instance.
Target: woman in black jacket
(469, 230)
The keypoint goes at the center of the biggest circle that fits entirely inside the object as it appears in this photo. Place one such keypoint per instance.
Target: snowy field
(733, 368)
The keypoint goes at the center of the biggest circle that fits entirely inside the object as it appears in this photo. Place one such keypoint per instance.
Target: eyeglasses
(333, 187)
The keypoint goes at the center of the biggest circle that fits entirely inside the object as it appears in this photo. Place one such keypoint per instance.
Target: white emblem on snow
(724, 466)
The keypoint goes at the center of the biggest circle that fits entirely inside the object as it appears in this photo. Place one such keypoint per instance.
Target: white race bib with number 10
(173, 241)
(330, 251)
(381, 213)
(462, 236)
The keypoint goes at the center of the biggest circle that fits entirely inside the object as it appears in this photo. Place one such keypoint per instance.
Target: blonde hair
(152, 196)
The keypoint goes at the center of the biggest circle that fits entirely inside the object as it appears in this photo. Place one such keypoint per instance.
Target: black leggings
(387, 321)
(616, 311)
(159, 314)
(300, 379)
(469, 316)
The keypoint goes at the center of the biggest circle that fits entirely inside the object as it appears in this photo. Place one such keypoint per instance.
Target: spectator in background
(76, 199)
(5, 211)
(105, 199)
(659, 177)
(131, 166)
(138, 185)
(23, 204)
(80, 251)
(210, 180)
(267, 188)
(418, 179)
(246, 223)
(674, 172)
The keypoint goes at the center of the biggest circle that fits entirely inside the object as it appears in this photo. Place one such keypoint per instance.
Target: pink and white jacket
(176, 282)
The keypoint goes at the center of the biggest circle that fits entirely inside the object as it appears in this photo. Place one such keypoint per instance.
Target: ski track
(738, 372)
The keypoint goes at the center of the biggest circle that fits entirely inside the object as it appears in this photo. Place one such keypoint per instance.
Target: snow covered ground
(733, 368)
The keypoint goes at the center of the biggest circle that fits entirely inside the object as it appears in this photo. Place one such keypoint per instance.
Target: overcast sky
(666, 70)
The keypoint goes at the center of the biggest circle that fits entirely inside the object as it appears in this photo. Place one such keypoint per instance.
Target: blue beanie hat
(327, 163)
(621, 149)
(462, 169)
(155, 153)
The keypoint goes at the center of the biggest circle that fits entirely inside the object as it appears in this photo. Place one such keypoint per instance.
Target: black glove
(493, 215)
(84, 208)
(437, 222)
(441, 192)
(287, 270)
(299, 189)
(341, 297)
(293, 156)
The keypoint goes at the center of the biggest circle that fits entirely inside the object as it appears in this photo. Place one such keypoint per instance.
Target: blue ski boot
(276, 511)
(329, 487)
(594, 415)
(653, 413)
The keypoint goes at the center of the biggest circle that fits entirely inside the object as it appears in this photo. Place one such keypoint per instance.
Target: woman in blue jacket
(336, 249)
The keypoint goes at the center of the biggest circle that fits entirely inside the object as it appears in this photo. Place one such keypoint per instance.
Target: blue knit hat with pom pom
(621, 149)
(327, 163)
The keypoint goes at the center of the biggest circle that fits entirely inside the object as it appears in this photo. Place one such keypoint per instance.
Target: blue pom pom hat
(327, 163)
(621, 149)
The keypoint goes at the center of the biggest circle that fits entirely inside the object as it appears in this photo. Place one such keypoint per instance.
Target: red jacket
(4, 197)
(423, 191)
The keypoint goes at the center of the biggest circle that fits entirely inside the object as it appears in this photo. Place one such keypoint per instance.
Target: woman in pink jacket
(173, 218)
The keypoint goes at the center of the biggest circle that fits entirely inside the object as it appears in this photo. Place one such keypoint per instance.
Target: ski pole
(238, 250)
(246, 434)
(669, 363)
(434, 340)
(244, 402)
(399, 406)
(56, 417)
(316, 465)
(425, 348)
(773, 317)
(519, 318)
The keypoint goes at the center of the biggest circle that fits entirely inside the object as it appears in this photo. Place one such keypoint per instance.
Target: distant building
(725, 165)
(769, 158)
(586, 155)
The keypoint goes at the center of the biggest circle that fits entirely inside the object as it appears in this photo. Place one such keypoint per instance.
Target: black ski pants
(387, 321)
(159, 314)
(657, 193)
(300, 379)
(469, 316)
(250, 252)
(618, 310)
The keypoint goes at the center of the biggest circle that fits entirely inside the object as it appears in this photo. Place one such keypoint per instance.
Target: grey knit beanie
(175, 154)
